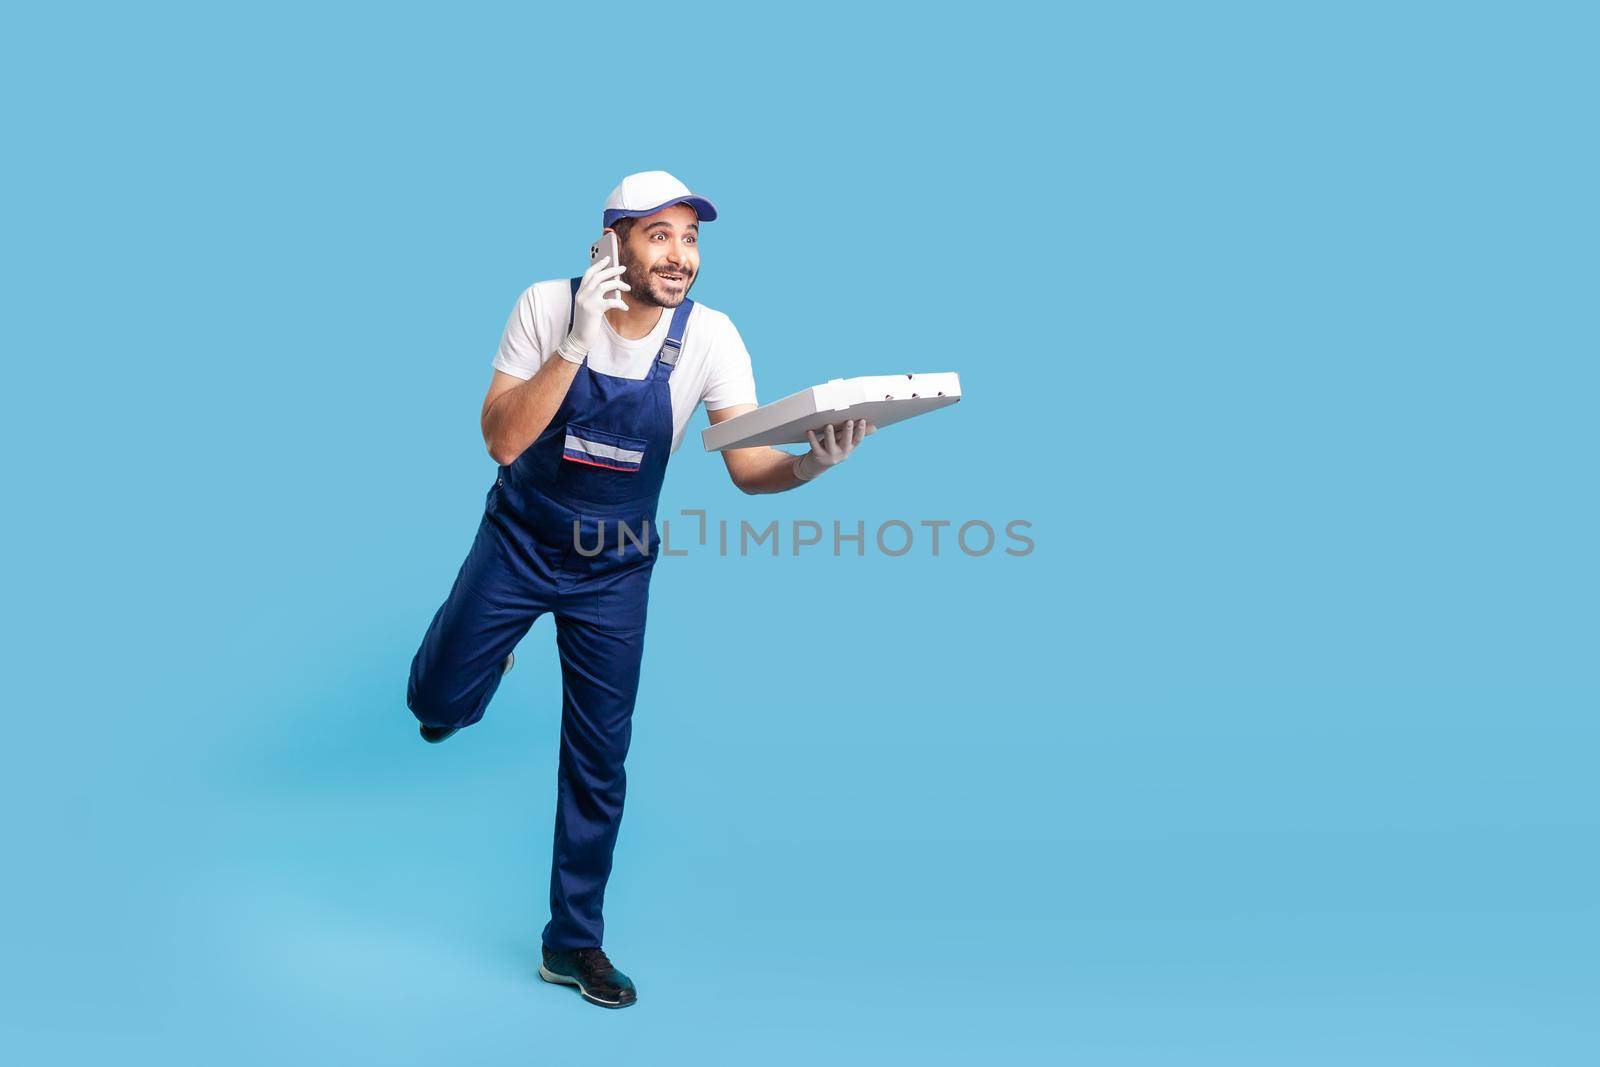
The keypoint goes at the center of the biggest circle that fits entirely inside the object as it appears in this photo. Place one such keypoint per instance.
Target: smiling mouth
(670, 277)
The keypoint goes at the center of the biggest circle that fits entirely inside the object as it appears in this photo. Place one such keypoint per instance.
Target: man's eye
(691, 239)
(656, 236)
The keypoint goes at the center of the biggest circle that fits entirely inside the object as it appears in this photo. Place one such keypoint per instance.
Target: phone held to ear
(606, 246)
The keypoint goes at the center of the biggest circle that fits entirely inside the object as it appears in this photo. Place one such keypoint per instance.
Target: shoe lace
(593, 960)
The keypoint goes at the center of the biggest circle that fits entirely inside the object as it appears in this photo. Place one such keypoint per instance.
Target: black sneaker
(588, 969)
(434, 734)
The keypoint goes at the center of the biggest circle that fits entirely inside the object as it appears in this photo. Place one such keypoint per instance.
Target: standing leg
(599, 680)
(458, 667)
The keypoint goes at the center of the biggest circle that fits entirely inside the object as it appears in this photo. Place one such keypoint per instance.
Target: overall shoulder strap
(572, 309)
(672, 347)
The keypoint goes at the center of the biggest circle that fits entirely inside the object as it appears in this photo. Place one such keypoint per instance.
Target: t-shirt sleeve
(521, 349)
(731, 381)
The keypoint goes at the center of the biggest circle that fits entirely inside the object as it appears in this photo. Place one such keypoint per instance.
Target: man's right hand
(601, 288)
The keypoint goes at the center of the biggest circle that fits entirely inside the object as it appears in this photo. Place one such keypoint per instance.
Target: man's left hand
(829, 449)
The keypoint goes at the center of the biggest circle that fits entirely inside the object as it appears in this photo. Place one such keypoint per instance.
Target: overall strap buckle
(672, 346)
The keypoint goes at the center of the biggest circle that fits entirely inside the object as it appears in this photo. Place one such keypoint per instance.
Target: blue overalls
(600, 461)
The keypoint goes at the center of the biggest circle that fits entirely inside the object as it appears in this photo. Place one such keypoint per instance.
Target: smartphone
(606, 246)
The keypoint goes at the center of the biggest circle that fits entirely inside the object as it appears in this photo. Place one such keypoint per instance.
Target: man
(591, 393)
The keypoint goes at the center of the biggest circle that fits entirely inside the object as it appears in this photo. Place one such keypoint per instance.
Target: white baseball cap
(648, 192)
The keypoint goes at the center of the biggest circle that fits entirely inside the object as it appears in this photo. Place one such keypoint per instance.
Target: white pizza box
(880, 399)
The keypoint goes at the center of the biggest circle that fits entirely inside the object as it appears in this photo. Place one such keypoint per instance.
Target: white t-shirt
(713, 365)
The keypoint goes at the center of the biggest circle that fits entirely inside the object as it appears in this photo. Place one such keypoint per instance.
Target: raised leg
(457, 668)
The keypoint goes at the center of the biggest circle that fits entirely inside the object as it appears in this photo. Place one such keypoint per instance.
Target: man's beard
(648, 288)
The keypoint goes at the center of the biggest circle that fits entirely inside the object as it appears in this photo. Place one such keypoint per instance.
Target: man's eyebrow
(695, 226)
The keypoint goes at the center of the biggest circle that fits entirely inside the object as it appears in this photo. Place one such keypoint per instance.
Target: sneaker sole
(561, 979)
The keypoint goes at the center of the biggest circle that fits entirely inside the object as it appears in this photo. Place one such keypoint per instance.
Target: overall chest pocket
(597, 448)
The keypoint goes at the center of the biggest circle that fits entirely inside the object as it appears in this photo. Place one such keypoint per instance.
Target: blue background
(1276, 321)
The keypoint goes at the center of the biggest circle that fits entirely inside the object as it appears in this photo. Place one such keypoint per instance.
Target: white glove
(598, 290)
(829, 449)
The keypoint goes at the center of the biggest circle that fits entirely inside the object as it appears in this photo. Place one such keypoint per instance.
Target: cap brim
(704, 210)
